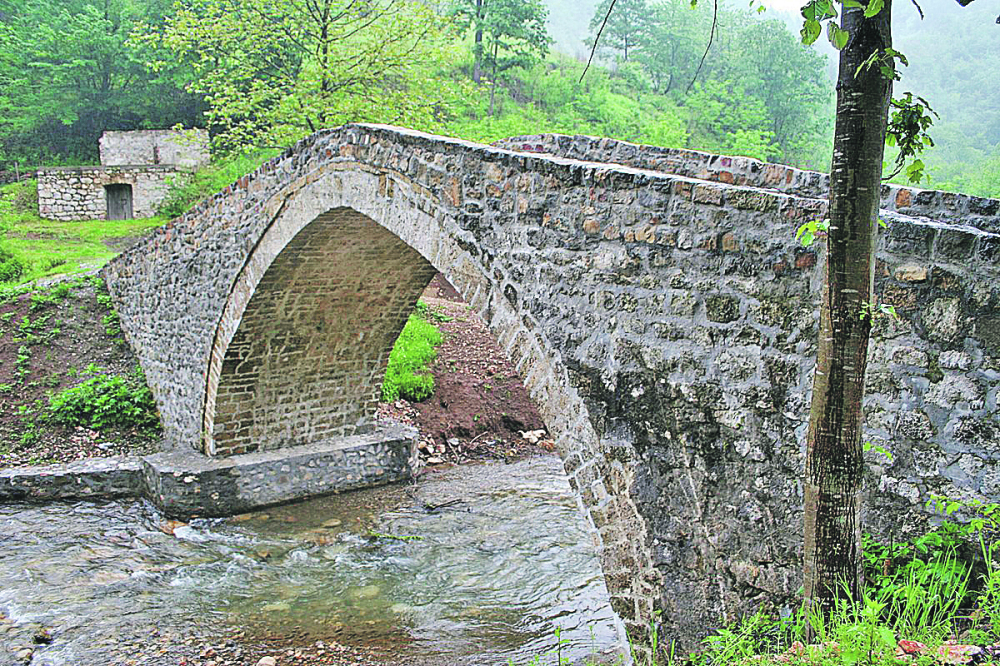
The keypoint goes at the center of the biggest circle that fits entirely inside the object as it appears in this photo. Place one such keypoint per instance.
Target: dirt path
(480, 407)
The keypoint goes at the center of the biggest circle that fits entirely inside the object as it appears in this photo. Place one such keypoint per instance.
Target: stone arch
(307, 358)
(344, 209)
(384, 225)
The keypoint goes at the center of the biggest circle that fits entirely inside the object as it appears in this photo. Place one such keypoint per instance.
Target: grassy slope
(48, 247)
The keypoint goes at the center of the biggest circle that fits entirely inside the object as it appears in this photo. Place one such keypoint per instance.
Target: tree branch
(711, 37)
(597, 39)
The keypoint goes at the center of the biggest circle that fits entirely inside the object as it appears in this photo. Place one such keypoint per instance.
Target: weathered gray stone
(187, 483)
(83, 479)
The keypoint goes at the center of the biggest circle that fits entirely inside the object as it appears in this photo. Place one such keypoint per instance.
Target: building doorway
(119, 199)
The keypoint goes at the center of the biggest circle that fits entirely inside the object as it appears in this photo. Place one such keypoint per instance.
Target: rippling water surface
(491, 560)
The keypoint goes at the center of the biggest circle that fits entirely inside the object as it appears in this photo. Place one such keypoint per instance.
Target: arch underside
(306, 362)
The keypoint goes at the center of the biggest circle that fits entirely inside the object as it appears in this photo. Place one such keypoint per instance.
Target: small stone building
(132, 181)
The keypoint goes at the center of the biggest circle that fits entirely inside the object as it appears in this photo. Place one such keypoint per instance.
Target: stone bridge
(654, 301)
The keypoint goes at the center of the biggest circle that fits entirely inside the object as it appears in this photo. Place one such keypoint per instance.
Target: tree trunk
(477, 50)
(835, 457)
(493, 80)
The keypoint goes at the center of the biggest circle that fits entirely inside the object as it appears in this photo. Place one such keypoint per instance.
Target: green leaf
(837, 36)
(811, 30)
(874, 7)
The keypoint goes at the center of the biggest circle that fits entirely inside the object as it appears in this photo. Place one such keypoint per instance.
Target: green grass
(49, 247)
(33, 248)
(407, 375)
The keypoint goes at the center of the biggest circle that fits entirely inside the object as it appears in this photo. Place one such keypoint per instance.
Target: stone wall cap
(111, 168)
(186, 461)
(110, 464)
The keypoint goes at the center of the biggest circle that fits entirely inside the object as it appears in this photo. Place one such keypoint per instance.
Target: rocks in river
(169, 526)
(366, 592)
(334, 551)
(267, 661)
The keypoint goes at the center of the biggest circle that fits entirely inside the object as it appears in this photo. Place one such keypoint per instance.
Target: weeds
(431, 314)
(53, 296)
(106, 401)
(407, 376)
(187, 191)
(930, 589)
(111, 321)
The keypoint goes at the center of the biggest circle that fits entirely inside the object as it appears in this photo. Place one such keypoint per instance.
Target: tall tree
(834, 456)
(834, 453)
(277, 70)
(508, 33)
(621, 29)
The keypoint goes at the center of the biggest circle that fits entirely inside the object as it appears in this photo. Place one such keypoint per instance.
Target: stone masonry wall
(963, 209)
(665, 325)
(77, 193)
(182, 148)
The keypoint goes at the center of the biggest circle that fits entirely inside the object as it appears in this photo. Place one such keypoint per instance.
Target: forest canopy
(264, 73)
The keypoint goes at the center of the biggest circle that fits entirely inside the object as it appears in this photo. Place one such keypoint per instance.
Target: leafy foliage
(11, 266)
(186, 191)
(760, 93)
(67, 73)
(274, 71)
(624, 27)
(406, 375)
(508, 33)
(105, 401)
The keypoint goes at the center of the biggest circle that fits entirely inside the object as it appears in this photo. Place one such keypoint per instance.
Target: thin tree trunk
(834, 457)
(477, 50)
(493, 81)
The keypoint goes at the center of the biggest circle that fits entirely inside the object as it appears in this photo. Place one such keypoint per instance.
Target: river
(475, 564)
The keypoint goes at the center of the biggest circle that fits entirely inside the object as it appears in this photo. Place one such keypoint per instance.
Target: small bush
(186, 191)
(25, 199)
(106, 401)
(11, 266)
(407, 376)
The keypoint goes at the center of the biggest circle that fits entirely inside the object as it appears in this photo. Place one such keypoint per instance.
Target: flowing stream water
(473, 565)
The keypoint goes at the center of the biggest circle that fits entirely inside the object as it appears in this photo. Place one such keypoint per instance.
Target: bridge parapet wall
(665, 325)
(979, 212)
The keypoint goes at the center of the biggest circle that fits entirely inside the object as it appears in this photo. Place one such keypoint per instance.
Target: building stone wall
(665, 325)
(148, 160)
(78, 193)
(181, 148)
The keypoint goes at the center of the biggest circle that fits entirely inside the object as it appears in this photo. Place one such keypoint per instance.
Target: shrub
(25, 198)
(106, 401)
(186, 191)
(406, 375)
(11, 266)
